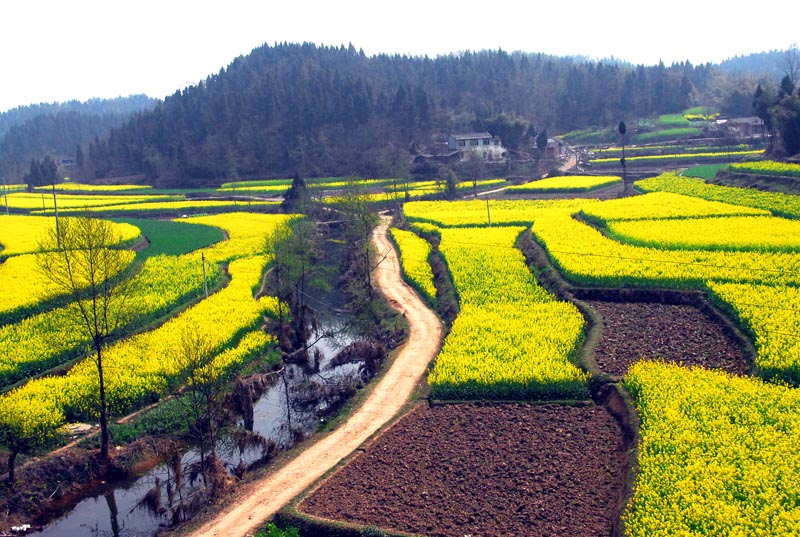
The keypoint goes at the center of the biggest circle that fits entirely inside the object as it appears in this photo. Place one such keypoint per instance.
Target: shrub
(271, 530)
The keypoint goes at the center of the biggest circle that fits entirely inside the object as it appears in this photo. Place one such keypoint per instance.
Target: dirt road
(261, 499)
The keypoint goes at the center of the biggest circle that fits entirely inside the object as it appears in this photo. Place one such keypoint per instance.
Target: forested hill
(771, 64)
(331, 111)
(94, 107)
(56, 130)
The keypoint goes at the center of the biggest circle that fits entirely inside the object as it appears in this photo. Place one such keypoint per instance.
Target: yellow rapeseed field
(512, 338)
(566, 183)
(22, 286)
(414, 252)
(758, 233)
(21, 234)
(718, 454)
(146, 365)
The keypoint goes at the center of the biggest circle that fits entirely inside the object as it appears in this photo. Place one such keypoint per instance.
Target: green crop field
(174, 238)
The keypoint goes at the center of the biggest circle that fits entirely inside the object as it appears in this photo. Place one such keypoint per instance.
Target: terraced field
(442, 470)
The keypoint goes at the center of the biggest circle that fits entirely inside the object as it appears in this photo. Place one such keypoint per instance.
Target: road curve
(261, 499)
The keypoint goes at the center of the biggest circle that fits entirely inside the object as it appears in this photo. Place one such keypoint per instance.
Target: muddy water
(288, 411)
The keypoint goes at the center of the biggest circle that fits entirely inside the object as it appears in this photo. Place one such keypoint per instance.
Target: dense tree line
(326, 110)
(52, 135)
(779, 107)
(780, 110)
(767, 65)
(57, 130)
(44, 172)
(97, 107)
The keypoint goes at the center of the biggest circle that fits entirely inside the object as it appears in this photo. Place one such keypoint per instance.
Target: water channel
(290, 408)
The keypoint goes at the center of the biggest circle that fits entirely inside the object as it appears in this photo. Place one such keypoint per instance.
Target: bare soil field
(482, 470)
(673, 333)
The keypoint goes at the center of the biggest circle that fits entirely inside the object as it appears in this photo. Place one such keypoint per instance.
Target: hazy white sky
(56, 50)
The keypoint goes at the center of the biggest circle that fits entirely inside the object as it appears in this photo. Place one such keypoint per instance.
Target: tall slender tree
(791, 63)
(81, 257)
(204, 400)
(295, 276)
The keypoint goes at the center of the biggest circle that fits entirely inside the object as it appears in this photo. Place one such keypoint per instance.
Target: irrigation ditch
(274, 411)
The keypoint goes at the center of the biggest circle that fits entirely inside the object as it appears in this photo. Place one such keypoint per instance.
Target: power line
(625, 258)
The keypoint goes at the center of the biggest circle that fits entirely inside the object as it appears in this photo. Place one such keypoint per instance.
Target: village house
(554, 149)
(745, 127)
(489, 146)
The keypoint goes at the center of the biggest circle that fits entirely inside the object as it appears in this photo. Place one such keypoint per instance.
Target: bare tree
(296, 274)
(472, 168)
(204, 396)
(360, 219)
(396, 166)
(82, 258)
(791, 63)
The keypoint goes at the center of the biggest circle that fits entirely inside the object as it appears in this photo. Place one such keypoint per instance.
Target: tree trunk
(12, 459)
(367, 270)
(105, 439)
(212, 413)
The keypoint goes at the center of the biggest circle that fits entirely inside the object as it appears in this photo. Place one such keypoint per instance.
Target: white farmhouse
(488, 145)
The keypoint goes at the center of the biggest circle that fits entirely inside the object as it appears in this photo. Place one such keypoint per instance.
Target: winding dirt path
(261, 499)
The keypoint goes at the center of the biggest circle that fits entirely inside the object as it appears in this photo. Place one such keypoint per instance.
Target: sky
(54, 50)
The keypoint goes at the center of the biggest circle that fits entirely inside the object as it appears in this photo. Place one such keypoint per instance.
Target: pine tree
(297, 198)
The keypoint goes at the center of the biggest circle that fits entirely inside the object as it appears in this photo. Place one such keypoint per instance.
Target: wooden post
(205, 281)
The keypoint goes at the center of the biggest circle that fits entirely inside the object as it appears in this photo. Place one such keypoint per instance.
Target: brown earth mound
(674, 333)
(456, 470)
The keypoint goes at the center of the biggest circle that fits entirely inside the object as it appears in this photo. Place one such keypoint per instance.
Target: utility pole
(5, 193)
(488, 214)
(626, 186)
(55, 208)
